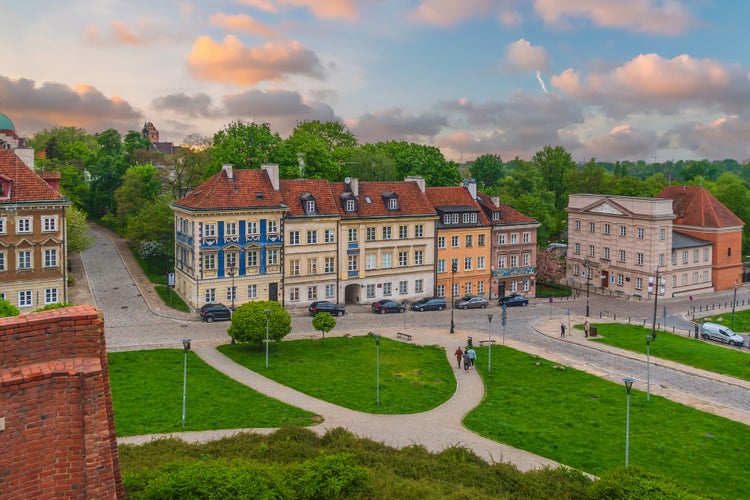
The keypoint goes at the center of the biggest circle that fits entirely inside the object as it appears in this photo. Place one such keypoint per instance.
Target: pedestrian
(562, 329)
(471, 342)
(472, 357)
(586, 328)
(467, 361)
(459, 356)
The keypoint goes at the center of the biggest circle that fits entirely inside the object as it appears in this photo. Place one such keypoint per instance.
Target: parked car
(514, 300)
(387, 306)
(721, 333)
(429, 304)
(326, 306)
(471, 302)
(215, 312)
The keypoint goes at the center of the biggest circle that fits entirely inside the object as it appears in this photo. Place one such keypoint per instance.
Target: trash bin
(592, 331)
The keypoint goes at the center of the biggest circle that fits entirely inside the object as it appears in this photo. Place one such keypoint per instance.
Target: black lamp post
(489, 342)
(232, 271)
(454, 268)
(587, 264)
(268, 315)
(186, 347)
(628, 385)
(377, 369)
(734, 302)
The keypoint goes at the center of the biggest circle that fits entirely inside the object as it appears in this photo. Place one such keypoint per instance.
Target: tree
(249, 322)
(244, 145)
(324, 322)
(134, 141)
(589, 179)
(76, 228)
(368, 163)
(487, 170)
(8, 309)
(316, 150)
(417, 159)
(184, 170)
(139, 186)
(549, 265)
(555, 164)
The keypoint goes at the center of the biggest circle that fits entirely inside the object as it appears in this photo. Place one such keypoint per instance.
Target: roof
(508, 214)
(680, 240)
(695, 206)
(456, 199)
(250, 189)
(294, 190)
(27, 186)
(5, 123)
(411, 199)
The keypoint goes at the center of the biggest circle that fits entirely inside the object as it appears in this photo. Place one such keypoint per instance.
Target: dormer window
(308, 203)
(349, 206)
(5, 184)
(391, 200)
(310, 206)
(393, 204)
(446, 218)
(495, 215)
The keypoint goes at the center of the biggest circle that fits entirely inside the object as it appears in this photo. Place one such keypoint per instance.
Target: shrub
(8, 309)
(330, 476)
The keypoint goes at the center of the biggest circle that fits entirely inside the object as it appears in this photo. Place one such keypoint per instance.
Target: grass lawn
(171, 298)
(342, 370)
(579, 420)
(741, 320)
(147, 397)
(680, 349)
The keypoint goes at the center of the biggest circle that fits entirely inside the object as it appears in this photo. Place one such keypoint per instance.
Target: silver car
(469, 302)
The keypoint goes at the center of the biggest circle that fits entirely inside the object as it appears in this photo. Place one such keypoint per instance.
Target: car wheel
(525, 304)
(484, 306)
(340, 313)
(402, 310)
(382, 311)
(441, 308)
(209, 319)
(704, 336)
(421, 309)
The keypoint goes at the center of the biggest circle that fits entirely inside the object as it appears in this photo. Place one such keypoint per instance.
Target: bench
(482, 342)
(402, 335)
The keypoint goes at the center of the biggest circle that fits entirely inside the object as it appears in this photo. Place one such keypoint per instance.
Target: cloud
(396, 123)
(659, 17)
(623, 142)
(724, 137)
(55, 104)
(244, 24)
(321, 9)
(123, 34)
(521, 57)
(182, 104)
(231, 61)
(450, 12)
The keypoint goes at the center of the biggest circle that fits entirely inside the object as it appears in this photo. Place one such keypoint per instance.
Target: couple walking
(468, 356)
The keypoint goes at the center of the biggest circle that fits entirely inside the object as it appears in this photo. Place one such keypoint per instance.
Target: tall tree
(418, 159)
(370, 164)
(487, 170)
(76, 229)
(244, 145)
(587, 179)
(317, 150)
(555, 164)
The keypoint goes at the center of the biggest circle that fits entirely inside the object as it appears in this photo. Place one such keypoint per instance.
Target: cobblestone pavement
(136, 319)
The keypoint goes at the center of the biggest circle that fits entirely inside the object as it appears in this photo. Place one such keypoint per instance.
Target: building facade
(33, 253)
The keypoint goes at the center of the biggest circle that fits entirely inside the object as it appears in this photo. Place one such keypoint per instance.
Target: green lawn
(680, 349)
(342, 370)
(579, 420)
(171, 299)
(147, 396)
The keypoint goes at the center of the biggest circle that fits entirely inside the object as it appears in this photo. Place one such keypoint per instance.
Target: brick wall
(59, 434)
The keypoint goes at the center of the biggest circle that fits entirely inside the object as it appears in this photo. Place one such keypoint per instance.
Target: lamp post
(587, 264)
(628, 385)
(232, 271)
(268, 315)
(186, 348)
(406, 307)
(734, 302)
(657, 287)
(454, 268)
(489, 337)
(648, 367)
(377, 369)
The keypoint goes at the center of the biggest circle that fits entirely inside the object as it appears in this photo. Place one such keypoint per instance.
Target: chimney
(419, 180)
(496, 201)
(227, 168)
(471, 185)
(353, 184)
(273, 174)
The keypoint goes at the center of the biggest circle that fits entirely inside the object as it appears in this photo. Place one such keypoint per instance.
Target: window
(294, 294)
(441, 266)
(705, 275)
(454, 289)
(387, 289)
(329, 265)
(527, 237)
(252, 258)
(696, 255)
(24, 298)
(468, 286)
(294, 267)
(403, 232)
(465, 218)
(370, 291)
(418, 286)
(252, 291)
(662, 233)
(468, 240)
(480, 286)
(480, 262)
(349, 207)
(272, 257)
(446, 218)
(3, 225)
(639, 233)
(418, 257)
(525, 285)
(441, 242)
(353, 263)
(639, 259)
(514, 239)
(578, 225)
(24, 259)
(403, 287)
(514, 261)
(273, 227)
(310, 206)
(526, 259)
(620, 279)
(605, 228)
(312, 293)
(695, 277)
(592, 251)
(312, 266)
(387, 260)
(329, 236)
(50, 258)
(705, 254)
(50, 296)
(467, 263)
(729, 252)
(454, 218)
(2, 261)
(684, 256)
(661, 259)
(230, 229)
(370, 259)
(454, 241)
(623, 231)
(501, 239)
(252, 228)
(49, 224)
(403, 259)
(605, 253)
(513, 286)
(501, 262)
(480, 240)
(576, 270)
(419, 231)
(231, 260)
(684, 279)
(577, 249)
(210, 295)
(639, 283)
(210, 231)
(674, 258)
(441, 290)
(386, 232)
(231, 293)
(352, 235)
(393, 204)
(312, 237)
(370, 234)
(454, 265)
(293, 238)
(330, 289)
(622, 256)
(495, 215)
(592, 227)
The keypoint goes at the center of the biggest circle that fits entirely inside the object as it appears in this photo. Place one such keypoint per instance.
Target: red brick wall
(59, 438)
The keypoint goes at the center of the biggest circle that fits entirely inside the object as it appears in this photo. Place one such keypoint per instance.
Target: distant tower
(150, 132)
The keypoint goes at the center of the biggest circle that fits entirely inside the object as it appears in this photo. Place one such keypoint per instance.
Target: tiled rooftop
(27, 186)
(695, 206)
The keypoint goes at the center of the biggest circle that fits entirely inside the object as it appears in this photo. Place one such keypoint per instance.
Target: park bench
(487, 341)
(402, 335)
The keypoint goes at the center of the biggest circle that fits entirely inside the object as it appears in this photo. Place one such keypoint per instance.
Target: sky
(652, 80)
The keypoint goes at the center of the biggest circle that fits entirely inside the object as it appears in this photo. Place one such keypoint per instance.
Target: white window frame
(24, 259)
(272, 257)
(50, 258)
(252, 228)
(293, 238)
(419, 231)
(51, 296)
(209, 295)
(25, 298)
(480, 262)
(418, 257)
(209, 230)
(370, 261)
(312, 237)
(49, 223)
(230, 229)
(272, 227)
(252, 291)
(330, 236)
(418, 286)
(387, 259)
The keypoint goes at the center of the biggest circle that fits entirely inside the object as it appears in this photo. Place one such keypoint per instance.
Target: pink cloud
(322, 9)
(450, 12)
(123, 34)
(522, 56)
(242, 23)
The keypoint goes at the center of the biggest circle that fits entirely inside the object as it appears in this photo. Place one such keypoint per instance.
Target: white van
(722, 334)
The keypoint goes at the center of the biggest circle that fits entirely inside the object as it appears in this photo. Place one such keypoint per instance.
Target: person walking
(562, 329)
(467, 361)
(459, 356)
(472, 356)
(586, 328)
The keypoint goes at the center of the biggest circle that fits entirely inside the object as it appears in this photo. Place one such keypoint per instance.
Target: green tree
(139, 186)
(317, 150)
(555, 164)
(249, 322)
(589, 179)
(134, 141)
(8, 309)
(153, 222)
(76, 229)
(244, 145)
(424, 161)
(184, 170)
(324, 322)
(487, 170)
(369, 163)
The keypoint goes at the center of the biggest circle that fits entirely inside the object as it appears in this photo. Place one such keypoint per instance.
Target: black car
(215, 312)
(429, 304)
(514, 300)
(326, 306)
(387, 306)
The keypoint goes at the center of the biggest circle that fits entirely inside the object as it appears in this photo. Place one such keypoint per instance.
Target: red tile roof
(455, 196)
(411, 199)
(27, 186)
(695, 206)
(293, 189)
(508, 214)
(251, 188)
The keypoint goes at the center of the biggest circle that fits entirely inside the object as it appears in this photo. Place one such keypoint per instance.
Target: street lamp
(734, 302)
(377, 369)
(186, 348)
(648, 367)
(454, 268)
(489, 338)
(232, 273)
(587, 264)
(268, 315)
(658, 288)
(628, 385)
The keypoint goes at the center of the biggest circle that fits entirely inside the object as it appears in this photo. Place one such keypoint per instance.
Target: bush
(330, 476)
(544, 290)
(8, 309)
(56, 305)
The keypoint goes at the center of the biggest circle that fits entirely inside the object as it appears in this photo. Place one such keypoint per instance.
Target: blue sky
(655, 80)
